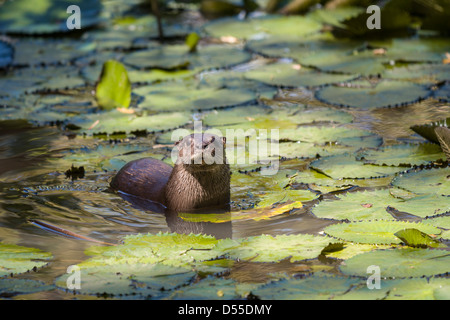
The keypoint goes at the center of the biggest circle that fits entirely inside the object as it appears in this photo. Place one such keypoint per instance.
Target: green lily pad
(441, 222)
(46, 16)
(177, 250)
(6, 54)
(212, 288)
(375, 232)
(347, 166)
(176, 96)
(293, 75)
(400, 263)
(19, 81)
(137, 280)
(426, 72)
(404, 155)
(316, 287)
(17, 259)
(374, 204)
(427, 181)
(14, 286)
(295, 26)
(33, 52)
(425, 49)
(108, 157)
(363, 95)
(266, 248)
(171, 57)
(115, 122)
(417, 239)
(114, 88)
(261, 117)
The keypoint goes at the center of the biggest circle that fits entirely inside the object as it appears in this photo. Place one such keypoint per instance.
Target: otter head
(201, 151)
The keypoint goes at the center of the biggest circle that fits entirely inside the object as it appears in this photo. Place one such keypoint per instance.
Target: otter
(199, 179)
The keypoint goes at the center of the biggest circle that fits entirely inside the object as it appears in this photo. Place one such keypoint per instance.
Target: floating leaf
(376, 204)
(375, 232)
(260, 27)
(316, 287)
(114, 88)
(400, 263)
(14, 286)
(113, 121)
(187, 96)
(404, 155)
(427, 181)
(266, 248)
(367, 96)
(171, 57)
(137, 280)
(257, 214)
(416, 238)
(33, 52)
(294, 75)
(347, 166)
(16, 259)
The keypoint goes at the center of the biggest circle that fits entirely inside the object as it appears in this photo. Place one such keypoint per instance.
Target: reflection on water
(33, 186)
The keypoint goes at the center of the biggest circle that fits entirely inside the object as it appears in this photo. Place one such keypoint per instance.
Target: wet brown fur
(186, 186)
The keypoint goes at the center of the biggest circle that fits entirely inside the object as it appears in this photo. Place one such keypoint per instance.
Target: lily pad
(19, 81)
(364, 95)
(293, 75)
(404, 155)
(295, 26)
(347, 166)
(427, 181)
(12, 287)
(17, 259)
(187, 96)
(417, 239)
(375, 232)
(316, 287)
(113, 121)
(266, 248)
(114, 88)
(47, 16)
(171, 57)
(34, 52)
(400, 263)
(139, 280)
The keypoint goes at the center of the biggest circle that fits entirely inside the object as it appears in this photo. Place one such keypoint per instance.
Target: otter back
(145, 178)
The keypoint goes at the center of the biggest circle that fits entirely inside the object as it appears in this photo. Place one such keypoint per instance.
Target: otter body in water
(199, 179)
